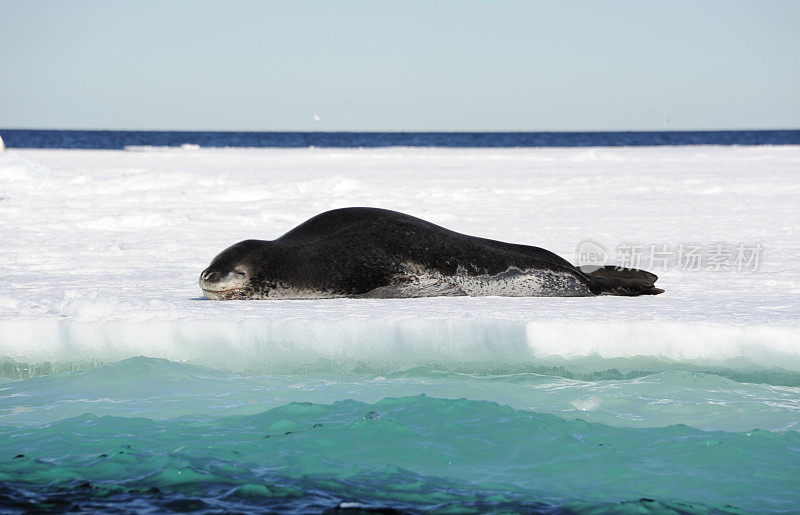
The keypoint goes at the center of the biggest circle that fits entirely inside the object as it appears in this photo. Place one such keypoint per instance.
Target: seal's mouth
(230, 293)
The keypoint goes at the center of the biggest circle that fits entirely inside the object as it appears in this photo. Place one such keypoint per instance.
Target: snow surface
(101, 253)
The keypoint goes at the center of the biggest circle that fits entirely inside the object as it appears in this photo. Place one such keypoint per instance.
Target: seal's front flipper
(414, 286)
(612, 280)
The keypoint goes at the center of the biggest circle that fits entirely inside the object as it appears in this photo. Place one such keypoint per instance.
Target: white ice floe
(100, 253)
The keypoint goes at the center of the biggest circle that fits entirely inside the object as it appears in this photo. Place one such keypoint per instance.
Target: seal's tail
(611, 280)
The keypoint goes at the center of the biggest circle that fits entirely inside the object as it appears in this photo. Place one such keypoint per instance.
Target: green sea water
(153, 435)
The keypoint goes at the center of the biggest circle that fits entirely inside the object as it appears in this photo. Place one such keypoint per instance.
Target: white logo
(590, 253)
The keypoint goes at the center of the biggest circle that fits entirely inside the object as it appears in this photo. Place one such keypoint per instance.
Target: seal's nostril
(209, 275)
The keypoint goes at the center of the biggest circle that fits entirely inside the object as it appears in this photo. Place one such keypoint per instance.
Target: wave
(294, 346)
(161, 389)
(327, 496)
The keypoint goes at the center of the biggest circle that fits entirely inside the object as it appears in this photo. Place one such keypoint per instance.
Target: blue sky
(434, 65)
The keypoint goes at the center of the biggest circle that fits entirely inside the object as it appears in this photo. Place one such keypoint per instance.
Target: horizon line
(375, 131)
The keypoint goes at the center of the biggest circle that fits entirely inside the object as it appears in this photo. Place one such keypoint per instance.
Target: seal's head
(229, 274)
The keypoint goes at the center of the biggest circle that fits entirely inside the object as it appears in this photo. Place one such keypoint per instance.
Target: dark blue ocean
(83, 139)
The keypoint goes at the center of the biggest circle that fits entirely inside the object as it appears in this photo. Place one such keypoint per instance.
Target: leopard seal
(377, 253)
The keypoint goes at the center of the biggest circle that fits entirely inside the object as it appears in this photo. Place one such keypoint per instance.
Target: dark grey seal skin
(376, 253)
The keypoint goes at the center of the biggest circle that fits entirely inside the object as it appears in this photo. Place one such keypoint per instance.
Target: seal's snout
(222, 283)
(209, 276)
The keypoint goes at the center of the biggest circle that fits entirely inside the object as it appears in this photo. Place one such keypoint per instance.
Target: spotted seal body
(377, 253)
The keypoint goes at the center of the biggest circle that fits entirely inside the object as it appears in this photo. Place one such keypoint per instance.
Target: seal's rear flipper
(612, 280)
